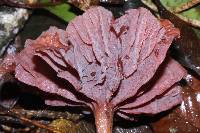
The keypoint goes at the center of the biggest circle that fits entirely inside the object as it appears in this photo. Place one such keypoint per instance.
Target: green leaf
(193, 13)
(174, 3)
(197, 31)
(62, 11)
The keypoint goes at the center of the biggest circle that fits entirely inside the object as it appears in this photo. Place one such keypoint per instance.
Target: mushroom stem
(103, 119)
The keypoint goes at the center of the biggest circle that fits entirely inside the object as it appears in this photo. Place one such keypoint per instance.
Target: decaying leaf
(67, 126)
(112, 66)
(83, 4)
(186, 117)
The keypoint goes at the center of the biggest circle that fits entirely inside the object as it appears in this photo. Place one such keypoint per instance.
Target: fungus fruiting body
(110, 65)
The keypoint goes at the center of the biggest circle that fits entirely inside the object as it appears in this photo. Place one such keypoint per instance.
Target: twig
(186, 6)
(36, 123)
(25, 120)
(48, 114)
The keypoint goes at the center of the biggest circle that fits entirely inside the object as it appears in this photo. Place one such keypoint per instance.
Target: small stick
(26, 120)
(36, 123)
(48, 114)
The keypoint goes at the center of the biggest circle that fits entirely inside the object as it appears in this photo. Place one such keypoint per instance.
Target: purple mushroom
(109, 65)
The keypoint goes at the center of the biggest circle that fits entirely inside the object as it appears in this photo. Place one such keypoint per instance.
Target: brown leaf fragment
(84, 4)
(186, 117)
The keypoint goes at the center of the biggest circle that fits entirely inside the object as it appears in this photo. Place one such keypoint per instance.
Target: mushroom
(110, 65)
